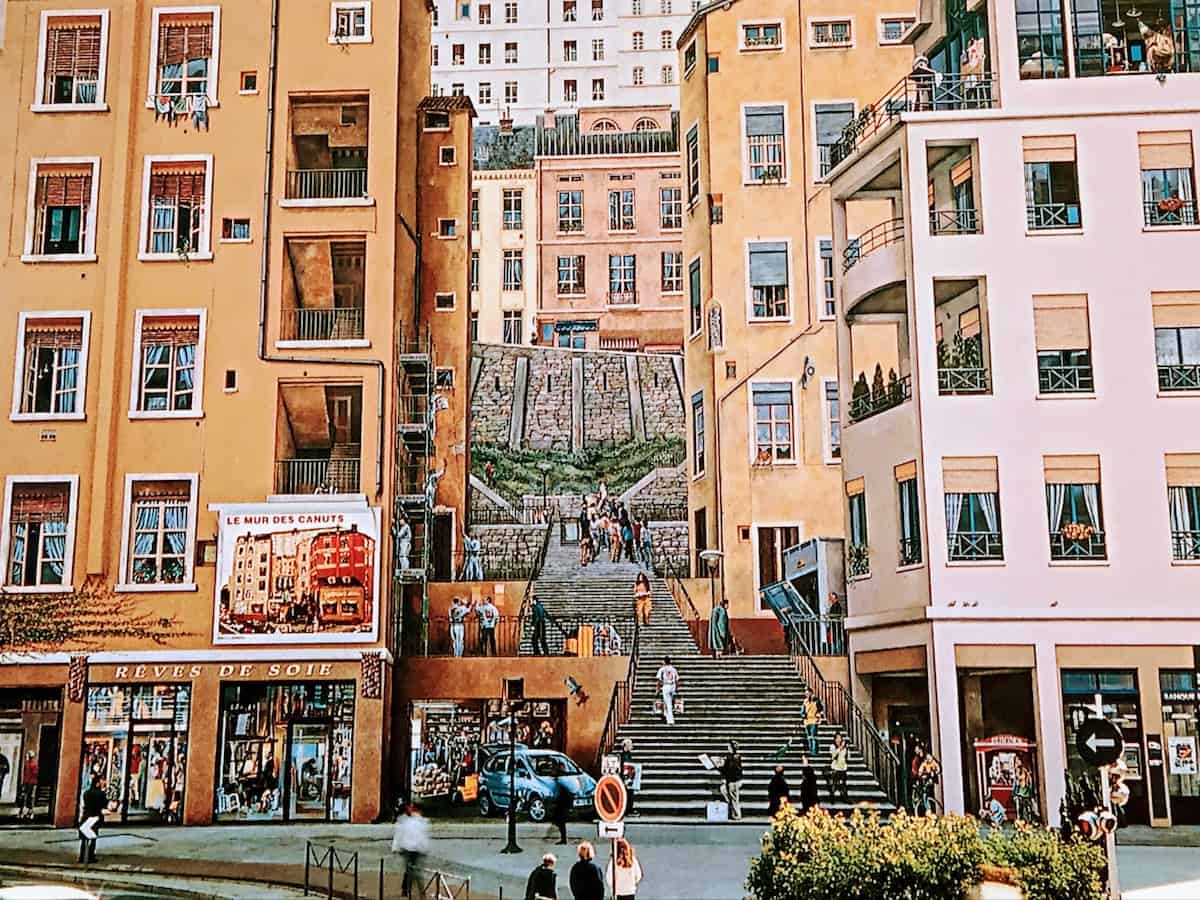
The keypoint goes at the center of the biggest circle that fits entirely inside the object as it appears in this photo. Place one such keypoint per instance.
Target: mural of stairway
(754, 700)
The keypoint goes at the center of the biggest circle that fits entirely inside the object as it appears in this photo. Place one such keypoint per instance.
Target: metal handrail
(840, 709)
(893, 394)
(683, 602)
(621, 701)
(874, 238)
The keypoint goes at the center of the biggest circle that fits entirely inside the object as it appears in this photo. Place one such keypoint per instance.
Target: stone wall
(511, 546)
(662, 487)
(670, 546)
(491, 402)
(606, 417)
(660, 396)
(548, 403)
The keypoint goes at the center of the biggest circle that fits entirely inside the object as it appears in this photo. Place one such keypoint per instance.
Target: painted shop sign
(298, 573)
(158, 672)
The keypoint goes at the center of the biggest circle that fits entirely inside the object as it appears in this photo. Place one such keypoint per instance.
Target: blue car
(540, 776)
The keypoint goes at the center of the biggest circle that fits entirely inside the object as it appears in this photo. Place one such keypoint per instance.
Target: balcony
(1050, 216)
(330, 475)
(874, 269)
(327, 154)
(913, 93)
(318, 449)
(974, 546)
(1180, 377)
(910, 551)
(1065, 379)
(1185, 545)
(1079, 543)
(858, 564)
(1169, 212)
(953, 221)
(622, 298)
(875, 238)
(326, 184)
(968, 380)
(866, 402)
(315, 325)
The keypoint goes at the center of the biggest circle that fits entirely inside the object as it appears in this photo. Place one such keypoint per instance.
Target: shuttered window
(1072, 469)
(831, 118)
(185, 46)
(1060, 322)
(1048, 148)
(73, 51)
(970, 475)
(1165, 149)
(62, 198)
(765, 147)
(177, 196)
(37, 534)
(1183, 469)
(168, 364)
(768, 272)
(51, 366)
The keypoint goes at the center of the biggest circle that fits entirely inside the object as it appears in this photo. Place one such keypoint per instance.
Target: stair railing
(534, 572)
(620, 703)
(683, 602)
(840, 709)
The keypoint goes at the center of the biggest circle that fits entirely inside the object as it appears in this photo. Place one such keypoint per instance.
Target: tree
(83, 618)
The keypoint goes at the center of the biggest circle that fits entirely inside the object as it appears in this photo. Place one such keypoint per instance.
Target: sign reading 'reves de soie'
(297, 573)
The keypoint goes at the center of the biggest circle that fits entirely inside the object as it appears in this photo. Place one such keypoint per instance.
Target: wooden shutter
(960, 171)
(856, 486)
(1183, 469)
(1060, 322)
(906, 471)
(968, 323)
(64, 185)
(40, 502)
(1165, 149)
(1072, 469)
(1175, 309)
(162, 490)
(180, 181)
(170, 330)
(184, 37)
(54, 332)
(1048, 148)
(970, 475)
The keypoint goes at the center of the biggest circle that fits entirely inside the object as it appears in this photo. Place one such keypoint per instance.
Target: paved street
(681, 862)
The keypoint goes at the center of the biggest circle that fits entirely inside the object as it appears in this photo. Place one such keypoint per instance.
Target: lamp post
(512, 846)
(712, 558)
(545, 470)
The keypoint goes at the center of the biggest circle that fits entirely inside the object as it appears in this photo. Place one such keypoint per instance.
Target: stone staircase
(755, 700)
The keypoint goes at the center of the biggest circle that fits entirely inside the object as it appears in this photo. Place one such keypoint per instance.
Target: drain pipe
(265, 265)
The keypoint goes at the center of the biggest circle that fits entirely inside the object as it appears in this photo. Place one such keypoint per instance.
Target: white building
(519, 59)
(1024, 491)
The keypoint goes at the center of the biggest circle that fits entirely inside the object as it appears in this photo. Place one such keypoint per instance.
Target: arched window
(639, 75)
(645, 124)
(667, 43)
(639, 41)
(605, 125)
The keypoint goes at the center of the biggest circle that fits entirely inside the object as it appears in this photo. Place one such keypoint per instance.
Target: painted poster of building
(297, 573)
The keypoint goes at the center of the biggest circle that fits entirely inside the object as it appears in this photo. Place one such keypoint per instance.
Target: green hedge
(822, 857)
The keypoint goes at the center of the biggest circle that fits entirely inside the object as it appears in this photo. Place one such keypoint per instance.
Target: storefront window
(286, 751)
(135, 741)
(29, 738)
(1180, 708)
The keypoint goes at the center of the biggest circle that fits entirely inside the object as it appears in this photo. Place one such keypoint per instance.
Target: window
(1183, 496)
(74, 56)
(570, 211)
(1168, 186)
(772, 402)
(647, 124)
(514, 270)
(1177, 352)
(474, 271)
(833, 420)
(485, 93)
(667, 75)
(168, 362)
(597, 49)
(485, 54)
(349, 23)
(512, 326)
(514, 200)
(772, 542)
(672, 272)
(184, 54)
(639, 75)
(636, 7)
(622, 279)
(665, 7)
(474, 327)
(444, 301)
(447, 156)
(249, 83)
(570, 91)
(464, 11)
(597, 89)
(433, 57)
(447, 228)
(762, 36)
(458, 89)
(697, 434)
(972, 487)
(474, 210)
(510, 93)
(1073, 508)
(1061, 335)
(670, 206)
(693, 163)
(510, 53)
(830, 119)
(571, 275)
(910, 514)
(485, 14)
(1040, 48)
(443, 378)
(768, 267)
(639, 41)
(510, 13)
(39, 531)
(437, 120)
(597, 10)
(160, 524)
(893, 28)
(689, 59)
(175, 208)
(766, 160)
(569, 13)
(235, 231)
(1051, 182)
(858, 563)
(61, 218)
(831, 33)
(695, 300)
(714, 63)
(666, 41)
(620, 211)
(50, 381)
(825, 273)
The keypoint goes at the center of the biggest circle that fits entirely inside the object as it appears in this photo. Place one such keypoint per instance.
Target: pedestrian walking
(95, 800)
(814, 711)
(647, 539)
(731, 786)
(488, 617)
(720, 638)
(928, 775)
(564, 800)
(543, 881)
(614, 539)
(624, 872)
(585, 532)
(540, 617)
(668, 684)
(473, 571)
(404, 536)
(458, 625)
(627, 537)
(810, 793)
(587, 881)
(778, 792)
(600, 532)
(838, 765)
(629, 776)
(28, 787)
(642, 605)
(410, 838)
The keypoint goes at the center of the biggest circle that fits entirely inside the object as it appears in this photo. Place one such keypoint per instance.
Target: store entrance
(308, 786)
(29, 752)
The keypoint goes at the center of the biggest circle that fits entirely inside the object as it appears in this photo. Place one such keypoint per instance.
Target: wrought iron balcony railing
(866, 405)
(1185, 544)
(1179, 377)
(317, 476)
(1045, 216)
(1065, 379)
(326, 184)
(1093, 546)
(875, 238)
(953, 221)
(964, 381)
(332, 324)
(972, 546)
(1170, 211)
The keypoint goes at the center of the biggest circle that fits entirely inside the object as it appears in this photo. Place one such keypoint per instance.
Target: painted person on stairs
(838, 764)
(720, 638)
(641, 598)
(814, 712)
(731, 784)
(668, 684)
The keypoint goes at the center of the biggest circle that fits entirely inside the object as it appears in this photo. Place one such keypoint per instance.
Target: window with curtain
(1076, 521)
(620, 210)
(570, 211)
(73, 52)
(833, 415)
(168, 365)
(1184, 504)
(910, 522)
(1169, 196)
(50, 369)
(512, 327)
(831, 118)
(622, 277)
(768, 269)
(1177, 353)
(858, 519)
(176, 208)
(1040, 48)
(672, 272)
(514, 270)
(765, 144)
(185, 45)
(670, 205)
(37, 536)
(973, 525)
(61, 197)
(695, 303)
(158, 531)
(773, 441)
(571, 271)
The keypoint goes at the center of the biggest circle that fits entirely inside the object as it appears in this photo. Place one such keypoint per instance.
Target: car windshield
(553, 766)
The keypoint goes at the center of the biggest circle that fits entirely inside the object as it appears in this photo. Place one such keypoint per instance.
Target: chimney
(506, 122)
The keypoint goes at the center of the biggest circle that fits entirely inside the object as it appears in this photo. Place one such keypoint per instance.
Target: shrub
(1047, 867)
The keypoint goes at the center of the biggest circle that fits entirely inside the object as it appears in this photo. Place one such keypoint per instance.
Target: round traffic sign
(1099, 742)
(610, 798)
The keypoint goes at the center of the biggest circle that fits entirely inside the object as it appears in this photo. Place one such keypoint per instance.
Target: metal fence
(330, 872)
(333, 324)
(874, 238)
(893, 394)
(326, 184)
(317, 476)
(513, 637)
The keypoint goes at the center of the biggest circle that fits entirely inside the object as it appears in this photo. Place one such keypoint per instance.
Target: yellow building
(764, 94)
(235, 272)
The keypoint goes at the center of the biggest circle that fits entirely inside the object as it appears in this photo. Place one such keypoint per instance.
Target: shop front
(30, 737)
(1180, 713)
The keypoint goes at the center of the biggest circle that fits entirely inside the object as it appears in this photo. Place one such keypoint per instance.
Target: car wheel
(537, 809)
(485, 805)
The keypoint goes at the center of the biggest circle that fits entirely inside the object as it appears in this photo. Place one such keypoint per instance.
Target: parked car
(540, 775)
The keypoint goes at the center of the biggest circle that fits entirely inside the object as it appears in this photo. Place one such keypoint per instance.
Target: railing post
(307, 859)
(330, 854)
(381, 897)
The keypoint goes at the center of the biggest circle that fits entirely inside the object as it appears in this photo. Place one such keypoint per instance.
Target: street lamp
(545, 468)
(514, 693)
(712, 558)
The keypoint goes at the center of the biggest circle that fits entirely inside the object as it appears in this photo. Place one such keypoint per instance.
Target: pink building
(610, 230)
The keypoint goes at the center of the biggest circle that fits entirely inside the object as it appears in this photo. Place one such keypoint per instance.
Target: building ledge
(327, 202)
(187, 587)
(355, 344)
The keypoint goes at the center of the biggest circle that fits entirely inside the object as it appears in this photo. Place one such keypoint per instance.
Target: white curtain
(987, 502)
(954, 505)
(1056, 496)
(1181, 509)
(1091, 499)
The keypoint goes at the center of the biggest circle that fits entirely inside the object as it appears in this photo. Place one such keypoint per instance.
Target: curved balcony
(873, 269)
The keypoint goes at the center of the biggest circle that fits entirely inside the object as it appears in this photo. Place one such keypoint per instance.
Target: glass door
(308, 757)
(157, 764)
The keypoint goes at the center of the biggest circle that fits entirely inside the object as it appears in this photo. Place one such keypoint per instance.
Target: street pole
(512, 846)
(1110, 840)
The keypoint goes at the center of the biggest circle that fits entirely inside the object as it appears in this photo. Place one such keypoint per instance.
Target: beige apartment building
(764, 94)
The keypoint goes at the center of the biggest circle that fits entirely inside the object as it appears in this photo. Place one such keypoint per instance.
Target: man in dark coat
(587, 881)
(543, 881)
(540, 618)
(563, 801)
(95, 799)
(778, 792)
(809, 790)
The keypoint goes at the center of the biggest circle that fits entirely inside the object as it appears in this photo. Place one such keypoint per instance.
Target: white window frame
(666, 74)
(639, 76)
(816, 147)
(214, 61)
(453, 301)
(682, 273)
(485, 101)
(574, 288)
(516, 254)
(689, 52)
(827, 422)
(89, 242)
(753, 424)
(698, 472)
(441, 236)
(516, 93)
(197, 410)
(892, 17)
(598, 95)
(598, 49)
(189, 556)
(204, 251)
(787, 143)
(760, 48)
(23, 319)
(680, 203)
(813, 21)
(751, 319)
(68, 585)
(339, 5)
(100, 105)
(687, 163)
(819, 287)
(447, 159)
